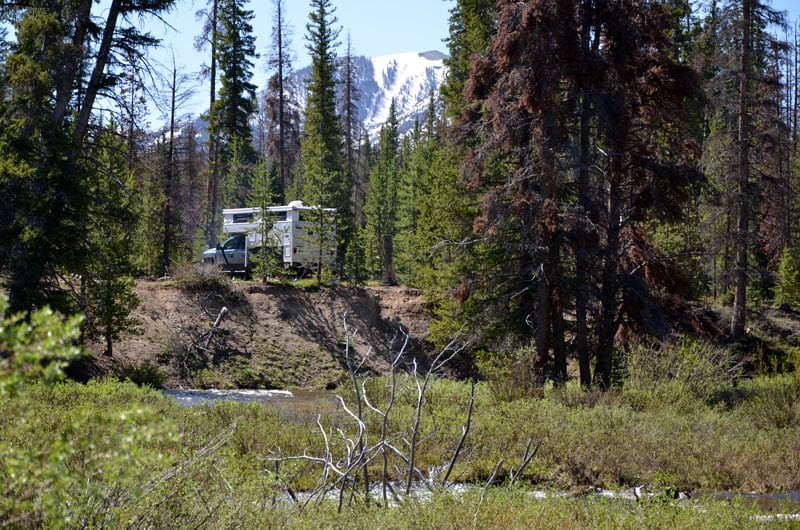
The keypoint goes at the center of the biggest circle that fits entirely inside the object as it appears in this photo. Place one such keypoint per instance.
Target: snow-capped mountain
(408, 78)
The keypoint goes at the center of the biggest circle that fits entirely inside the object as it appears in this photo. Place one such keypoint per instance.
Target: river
(296, 400)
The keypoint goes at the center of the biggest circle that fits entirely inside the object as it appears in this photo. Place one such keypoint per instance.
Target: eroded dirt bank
(272, 336)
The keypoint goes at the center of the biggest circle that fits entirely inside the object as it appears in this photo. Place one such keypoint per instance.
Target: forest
(592, 174)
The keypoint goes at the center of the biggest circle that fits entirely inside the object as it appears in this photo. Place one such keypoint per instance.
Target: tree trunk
(742, 206)
(281, 106)
(213, 139)
(608, 293)
(588, 46)
(582, 252)
(169, 175)
(559, 344)
(388, 260)
(96, 79)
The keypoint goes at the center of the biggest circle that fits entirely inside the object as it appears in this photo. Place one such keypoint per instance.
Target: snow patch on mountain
(407, 78)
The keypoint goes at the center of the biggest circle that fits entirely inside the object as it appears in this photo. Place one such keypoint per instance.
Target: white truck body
(303, 235)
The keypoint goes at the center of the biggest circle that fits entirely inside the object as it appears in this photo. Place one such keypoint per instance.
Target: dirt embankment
(271, 336)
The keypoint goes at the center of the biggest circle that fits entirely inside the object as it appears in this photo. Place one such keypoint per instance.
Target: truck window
(234, 243)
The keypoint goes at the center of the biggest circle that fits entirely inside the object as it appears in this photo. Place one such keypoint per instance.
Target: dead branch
(222, 313)
(526, 459)
(464, 432)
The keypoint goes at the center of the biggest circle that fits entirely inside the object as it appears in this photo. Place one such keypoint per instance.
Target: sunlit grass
(113, 454)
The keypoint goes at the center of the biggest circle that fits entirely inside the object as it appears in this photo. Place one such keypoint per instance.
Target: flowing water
(294, 400)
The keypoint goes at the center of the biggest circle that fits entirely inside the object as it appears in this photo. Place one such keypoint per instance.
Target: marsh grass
(113, 454)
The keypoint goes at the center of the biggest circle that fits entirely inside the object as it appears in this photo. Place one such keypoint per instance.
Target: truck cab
(230, 255)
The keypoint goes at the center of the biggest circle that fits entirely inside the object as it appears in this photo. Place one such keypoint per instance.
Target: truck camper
(300, 236)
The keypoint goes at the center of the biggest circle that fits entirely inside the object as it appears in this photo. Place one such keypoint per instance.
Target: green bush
(141, 374)
(39, 347)
(509, 376)
(684, 374)
(771, 402)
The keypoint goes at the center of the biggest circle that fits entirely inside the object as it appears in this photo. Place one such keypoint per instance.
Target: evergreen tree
(106, 285)
(788, 291)
(381, 202)
(352, 130)
(51, 85)
(536, 73)
(351, 127)
(236, 102)
(448, 198)
(323, 180)
(740, 90)
(472, 24)
(268, 257)
(280, 106)
(414, 163)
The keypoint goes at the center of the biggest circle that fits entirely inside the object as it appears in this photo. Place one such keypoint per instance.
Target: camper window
(242, 217)
(278, 216)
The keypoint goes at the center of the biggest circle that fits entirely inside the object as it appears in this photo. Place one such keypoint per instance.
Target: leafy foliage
(788, 288)
(39, 347)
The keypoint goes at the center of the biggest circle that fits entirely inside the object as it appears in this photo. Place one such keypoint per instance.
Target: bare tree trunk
(608, 293)
(388, 260)
(742, 206)
(213, 180)
(168, 174)
(281, 102)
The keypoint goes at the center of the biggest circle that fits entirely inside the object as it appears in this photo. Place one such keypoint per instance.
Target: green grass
(113, 454)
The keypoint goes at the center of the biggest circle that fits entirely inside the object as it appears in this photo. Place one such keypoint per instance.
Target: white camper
(303, 236)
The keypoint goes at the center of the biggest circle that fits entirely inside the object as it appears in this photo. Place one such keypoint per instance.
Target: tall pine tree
(322, 180)
(235, 103)
(381, 201)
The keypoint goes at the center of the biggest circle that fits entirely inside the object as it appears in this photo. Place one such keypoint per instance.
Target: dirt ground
(271, 336)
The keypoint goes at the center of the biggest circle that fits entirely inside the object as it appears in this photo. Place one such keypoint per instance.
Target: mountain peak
(433, 55)
(407, 78)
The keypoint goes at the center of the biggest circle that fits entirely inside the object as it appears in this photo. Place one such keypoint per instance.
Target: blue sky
(376, 27)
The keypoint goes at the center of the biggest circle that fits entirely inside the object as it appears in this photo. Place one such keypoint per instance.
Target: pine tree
(788, 289)
(106, 284)
(236, 102)
(323, 180)
(52, 84)
(407, 256)
(279, 105)
(740, 91)
(381, 202)
(536, 75)
(448, 199)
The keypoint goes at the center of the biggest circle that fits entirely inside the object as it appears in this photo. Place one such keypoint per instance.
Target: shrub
(509, 376)
(676, 373)
(141, 374)
(39, 347)
(771, 402)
